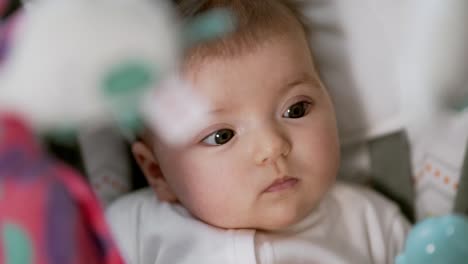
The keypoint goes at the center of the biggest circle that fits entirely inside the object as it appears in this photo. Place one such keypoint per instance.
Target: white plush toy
(81, 61)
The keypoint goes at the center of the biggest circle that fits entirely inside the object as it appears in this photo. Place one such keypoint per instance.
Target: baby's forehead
(196, 63)
(225, 95)
(230, 48)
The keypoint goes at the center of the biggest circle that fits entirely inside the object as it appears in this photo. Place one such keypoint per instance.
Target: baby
(257, 183)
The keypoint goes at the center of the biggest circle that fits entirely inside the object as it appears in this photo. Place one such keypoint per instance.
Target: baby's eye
(219, 137)
(297, 110)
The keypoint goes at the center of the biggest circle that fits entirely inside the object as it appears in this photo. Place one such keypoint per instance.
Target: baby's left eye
(219, 137)
(297, 110)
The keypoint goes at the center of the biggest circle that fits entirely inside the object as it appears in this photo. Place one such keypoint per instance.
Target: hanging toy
(85, 62)
(79, 62)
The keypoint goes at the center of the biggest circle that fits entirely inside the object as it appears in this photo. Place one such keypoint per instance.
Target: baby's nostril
(129, 77)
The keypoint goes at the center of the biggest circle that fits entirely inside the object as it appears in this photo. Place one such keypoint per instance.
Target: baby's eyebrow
(304, 77)
(216, 111)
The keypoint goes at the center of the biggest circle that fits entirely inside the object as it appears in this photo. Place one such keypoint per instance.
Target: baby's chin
(271, 221)
(284, 217)
(282, 222)
(263, 225)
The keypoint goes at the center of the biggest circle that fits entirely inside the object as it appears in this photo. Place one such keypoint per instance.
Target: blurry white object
(76, 61)
(386, 61)
(434, 61)
(175, 111)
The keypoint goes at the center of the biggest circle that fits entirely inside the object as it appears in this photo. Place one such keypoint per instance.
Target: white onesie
(351, 225)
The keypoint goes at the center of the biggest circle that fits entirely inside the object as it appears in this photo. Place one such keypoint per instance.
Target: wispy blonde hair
(256, 21)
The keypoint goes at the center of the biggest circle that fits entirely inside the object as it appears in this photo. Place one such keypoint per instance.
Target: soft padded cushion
(355, 45)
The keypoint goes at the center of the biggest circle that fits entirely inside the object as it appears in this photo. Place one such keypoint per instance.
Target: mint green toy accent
(124, 86)
(209, 25)
(17, 245)
(126, 109)
(129, 77)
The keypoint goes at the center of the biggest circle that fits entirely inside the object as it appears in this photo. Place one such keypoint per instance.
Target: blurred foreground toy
(48, 214)
(78, 62)
(442, 240)
(73, 63)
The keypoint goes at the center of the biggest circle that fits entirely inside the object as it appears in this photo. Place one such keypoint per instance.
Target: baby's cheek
(326, 138)
(217, 198)
(212, 205)
(317, 158)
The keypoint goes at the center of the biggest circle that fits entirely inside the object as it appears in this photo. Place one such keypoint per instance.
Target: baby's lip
(282, 183)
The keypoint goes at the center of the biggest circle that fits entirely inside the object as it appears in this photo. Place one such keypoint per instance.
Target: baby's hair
(256, 21)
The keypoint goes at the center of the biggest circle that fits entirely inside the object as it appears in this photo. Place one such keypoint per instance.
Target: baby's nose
(270, 146)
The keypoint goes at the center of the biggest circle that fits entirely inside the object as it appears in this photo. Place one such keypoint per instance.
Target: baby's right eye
(219, 137)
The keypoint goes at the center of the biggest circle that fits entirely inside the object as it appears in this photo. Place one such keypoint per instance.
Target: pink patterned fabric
(48, 214)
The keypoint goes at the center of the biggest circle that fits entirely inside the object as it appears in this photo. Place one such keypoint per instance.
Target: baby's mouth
(281, 184)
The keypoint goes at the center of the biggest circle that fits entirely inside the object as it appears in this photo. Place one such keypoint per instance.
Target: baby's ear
(150, 168)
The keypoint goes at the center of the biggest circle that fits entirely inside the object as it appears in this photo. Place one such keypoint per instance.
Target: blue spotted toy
(441, 240)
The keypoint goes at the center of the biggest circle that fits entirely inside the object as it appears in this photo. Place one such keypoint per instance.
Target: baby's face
(269, 148)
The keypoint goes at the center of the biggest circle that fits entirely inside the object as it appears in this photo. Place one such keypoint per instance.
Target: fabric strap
(391, 169)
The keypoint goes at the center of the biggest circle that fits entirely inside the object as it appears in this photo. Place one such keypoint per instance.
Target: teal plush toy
(442, 240)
